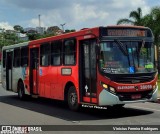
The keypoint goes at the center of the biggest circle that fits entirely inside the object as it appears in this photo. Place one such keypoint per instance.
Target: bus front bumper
(106, 98)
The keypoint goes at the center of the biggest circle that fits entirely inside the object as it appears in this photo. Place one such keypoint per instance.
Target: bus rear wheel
(21, 92)
(73, 99)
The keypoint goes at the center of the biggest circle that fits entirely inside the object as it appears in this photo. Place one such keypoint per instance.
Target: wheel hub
(73, 98)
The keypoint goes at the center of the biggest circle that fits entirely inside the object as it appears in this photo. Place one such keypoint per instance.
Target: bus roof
(15, 45)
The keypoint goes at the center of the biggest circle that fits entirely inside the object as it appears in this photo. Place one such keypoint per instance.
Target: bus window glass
(56, 48)
(17, 55)
(24, 56)
(138, 55)
(45, 54)
(70, 52)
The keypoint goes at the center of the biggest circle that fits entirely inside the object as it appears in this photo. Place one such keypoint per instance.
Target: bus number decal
(142, 87)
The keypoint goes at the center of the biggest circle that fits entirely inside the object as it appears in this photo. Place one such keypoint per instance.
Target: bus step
(34, 96)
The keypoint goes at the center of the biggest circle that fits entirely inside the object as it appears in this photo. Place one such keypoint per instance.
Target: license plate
(137, 96)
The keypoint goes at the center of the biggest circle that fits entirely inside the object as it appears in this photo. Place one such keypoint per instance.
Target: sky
(76, 14)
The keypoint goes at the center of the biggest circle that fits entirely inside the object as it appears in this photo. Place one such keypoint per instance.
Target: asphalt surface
(50, 112)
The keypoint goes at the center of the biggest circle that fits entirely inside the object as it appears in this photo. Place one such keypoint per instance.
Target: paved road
(49, 112)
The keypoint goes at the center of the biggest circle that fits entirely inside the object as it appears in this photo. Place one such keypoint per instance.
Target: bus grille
(132, 81)
(128, 96)
(133, 78)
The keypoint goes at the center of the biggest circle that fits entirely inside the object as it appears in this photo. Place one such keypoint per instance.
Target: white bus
(14, 63)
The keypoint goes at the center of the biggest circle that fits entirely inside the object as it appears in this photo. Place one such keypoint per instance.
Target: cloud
(50, 18)
(40, 4)
(88, 12)
(76, 14)
(6, 26)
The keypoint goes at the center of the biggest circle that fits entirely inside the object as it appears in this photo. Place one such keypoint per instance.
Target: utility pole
(39, 17)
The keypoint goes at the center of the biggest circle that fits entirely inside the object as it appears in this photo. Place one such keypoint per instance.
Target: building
(30, 30)
(22, 37)
(40, 30)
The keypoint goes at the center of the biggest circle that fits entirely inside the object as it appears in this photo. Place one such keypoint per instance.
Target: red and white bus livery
(103, 66)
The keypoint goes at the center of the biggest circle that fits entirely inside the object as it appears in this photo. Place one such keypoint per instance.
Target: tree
(8, 37)
(155, 26)
(152, 20)
(32, 36)
(68, 31)
(18, 28)
(136, 18)
(53, 29)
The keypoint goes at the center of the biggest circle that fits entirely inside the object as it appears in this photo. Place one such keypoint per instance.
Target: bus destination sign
(126, 32)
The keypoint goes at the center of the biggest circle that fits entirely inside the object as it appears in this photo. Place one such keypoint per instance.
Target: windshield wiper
(123, 50)
(122, 47)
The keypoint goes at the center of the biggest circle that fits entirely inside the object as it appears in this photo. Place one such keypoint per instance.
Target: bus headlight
(112, 89)
(104, 86)
(108, 88)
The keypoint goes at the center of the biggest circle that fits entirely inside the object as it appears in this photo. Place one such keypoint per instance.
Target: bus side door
(9, 69)
(88, 78)
(34, 71)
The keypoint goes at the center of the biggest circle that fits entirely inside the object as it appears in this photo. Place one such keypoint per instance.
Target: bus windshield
(126, 57)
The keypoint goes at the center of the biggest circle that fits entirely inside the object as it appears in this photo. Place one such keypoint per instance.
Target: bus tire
(73, 99)
(21, 92)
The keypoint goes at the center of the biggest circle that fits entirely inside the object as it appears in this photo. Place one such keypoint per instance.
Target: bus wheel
(21, 93)
(73, 99)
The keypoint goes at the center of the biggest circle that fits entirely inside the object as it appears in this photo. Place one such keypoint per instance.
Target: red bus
(102, 66)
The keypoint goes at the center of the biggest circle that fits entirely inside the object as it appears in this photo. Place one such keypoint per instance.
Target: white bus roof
(15, 45)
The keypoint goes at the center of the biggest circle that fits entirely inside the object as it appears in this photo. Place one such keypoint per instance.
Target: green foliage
(18, 28)
(68, 31)
(32, 36)
(136, 18)
(152, 21)
(8, 39)
(35, 36)
(39, 36)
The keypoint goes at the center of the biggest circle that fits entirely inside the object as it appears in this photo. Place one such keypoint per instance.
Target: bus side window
(24, 56)
(45, 54)
(4, 58)
(17, 55)
(56, 49)
(70, 52)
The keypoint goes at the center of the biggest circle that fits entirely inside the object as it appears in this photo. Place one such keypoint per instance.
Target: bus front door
(87, 71)
(9, 61)
(34, 71)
